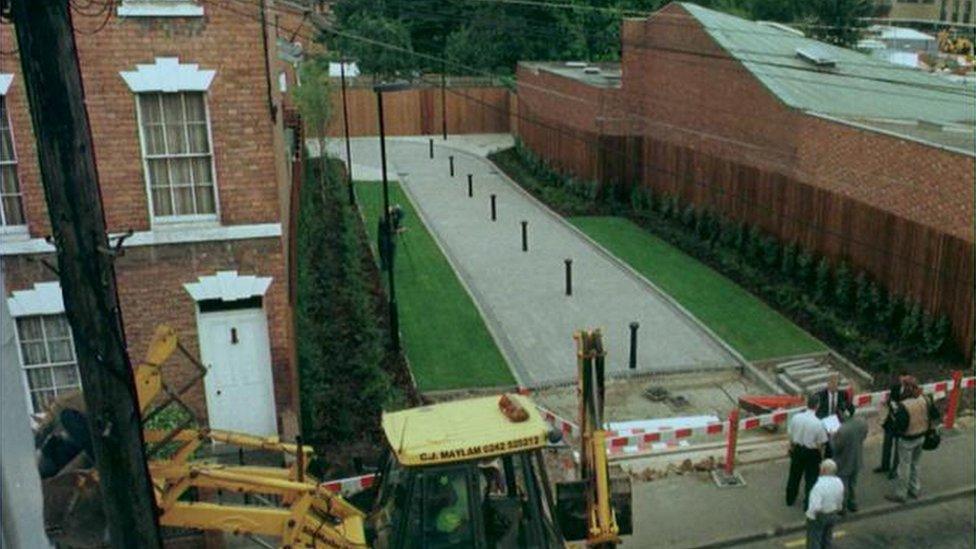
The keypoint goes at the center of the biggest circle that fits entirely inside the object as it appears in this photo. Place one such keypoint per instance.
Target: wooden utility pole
(45, 39)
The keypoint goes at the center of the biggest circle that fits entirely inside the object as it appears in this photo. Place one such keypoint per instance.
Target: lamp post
(387, 221)
(345, 127)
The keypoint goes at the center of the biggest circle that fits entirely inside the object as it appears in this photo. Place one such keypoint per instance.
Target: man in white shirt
(807, 437)
(826, 502)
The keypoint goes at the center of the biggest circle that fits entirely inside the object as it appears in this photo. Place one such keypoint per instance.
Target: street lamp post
(387, 221)
(345, 127)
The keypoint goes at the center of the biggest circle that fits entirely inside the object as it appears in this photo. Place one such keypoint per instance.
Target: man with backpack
(914, 417)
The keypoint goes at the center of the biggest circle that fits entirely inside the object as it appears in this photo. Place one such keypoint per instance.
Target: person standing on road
(915, 415)
(889, 462)
(807, 438)
(848, 444)
(826, 503)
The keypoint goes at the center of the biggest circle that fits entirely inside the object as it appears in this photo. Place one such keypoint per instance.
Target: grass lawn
(444, 337)
(741, 319)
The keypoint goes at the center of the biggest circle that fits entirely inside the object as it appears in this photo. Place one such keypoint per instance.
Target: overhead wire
(907, 260)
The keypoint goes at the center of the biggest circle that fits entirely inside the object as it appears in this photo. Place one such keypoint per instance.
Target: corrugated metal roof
(857, 87)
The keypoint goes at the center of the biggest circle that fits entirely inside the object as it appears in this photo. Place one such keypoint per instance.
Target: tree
(839, 22)
(313, 99)
(380, 61)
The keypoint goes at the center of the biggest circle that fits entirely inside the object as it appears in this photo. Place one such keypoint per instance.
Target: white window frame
(24, 367)
(5, 229)
(164, 220)
(159, 8)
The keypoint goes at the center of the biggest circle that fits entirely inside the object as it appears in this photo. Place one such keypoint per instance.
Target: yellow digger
(468, 473)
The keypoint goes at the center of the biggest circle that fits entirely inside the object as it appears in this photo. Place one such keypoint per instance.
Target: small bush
(804, 268)
(863, 303)
(787, 265)
(935, 332)
(821, 284)
(911, 324)
(843, 290)
(770, 252)
(688, 216)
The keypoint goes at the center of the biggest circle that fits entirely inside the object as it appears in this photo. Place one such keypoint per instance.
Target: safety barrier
(633, 445)
(637, 442)
(351, 485)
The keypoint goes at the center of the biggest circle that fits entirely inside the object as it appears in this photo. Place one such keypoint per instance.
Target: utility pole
(49, 58)
(444, 101)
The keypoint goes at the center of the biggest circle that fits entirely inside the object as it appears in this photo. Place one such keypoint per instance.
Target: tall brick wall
(701, 126)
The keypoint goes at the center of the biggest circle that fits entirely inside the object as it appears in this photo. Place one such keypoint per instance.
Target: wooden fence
(469, 109)
(908, 258)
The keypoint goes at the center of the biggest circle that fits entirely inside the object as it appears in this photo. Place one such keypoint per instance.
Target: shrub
(727, 233)
(664, 207)
(688, 216)
(863, 303)
(821, 283)
(770, 252)
(804, 268)
(753, 244)
(911, 324)
(935, 332)
(741, 236)
(843, 290)
(787, 264)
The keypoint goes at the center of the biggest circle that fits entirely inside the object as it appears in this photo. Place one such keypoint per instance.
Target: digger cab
(465, 474)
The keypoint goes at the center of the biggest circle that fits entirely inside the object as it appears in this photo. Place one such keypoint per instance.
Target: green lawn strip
(444, 336)
(742, 320)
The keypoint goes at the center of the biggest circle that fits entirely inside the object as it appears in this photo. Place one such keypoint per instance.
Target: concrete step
(788, 385)
(794, 363)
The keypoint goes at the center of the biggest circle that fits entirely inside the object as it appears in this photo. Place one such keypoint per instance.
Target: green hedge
(849, 310)
(343, 385)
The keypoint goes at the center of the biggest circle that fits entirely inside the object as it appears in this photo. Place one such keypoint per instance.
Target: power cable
(925, 268)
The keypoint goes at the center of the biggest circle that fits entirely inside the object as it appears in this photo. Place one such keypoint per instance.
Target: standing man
(833, 400)
(826, 502)
(807, 437)
(895, 395)
(848, 443)
(921, 415)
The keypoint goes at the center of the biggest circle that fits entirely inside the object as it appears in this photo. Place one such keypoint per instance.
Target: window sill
(167, 9)
(11, 233)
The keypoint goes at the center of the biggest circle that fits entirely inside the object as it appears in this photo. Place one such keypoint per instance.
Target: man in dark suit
(848, 445)
(889, 462)
(833, 400)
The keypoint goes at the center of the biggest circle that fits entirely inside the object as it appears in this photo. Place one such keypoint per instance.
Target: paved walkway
(521, 295)
(690, 511)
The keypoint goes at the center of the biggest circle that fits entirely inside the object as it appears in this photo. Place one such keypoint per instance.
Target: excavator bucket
(73, 512)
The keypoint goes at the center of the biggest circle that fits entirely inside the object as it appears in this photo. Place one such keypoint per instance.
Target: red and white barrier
(350, 486)
(566, 427)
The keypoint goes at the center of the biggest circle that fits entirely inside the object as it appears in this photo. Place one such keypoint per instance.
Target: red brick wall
(237, 99)
(150, 278)
(701, 126)
(150, 281)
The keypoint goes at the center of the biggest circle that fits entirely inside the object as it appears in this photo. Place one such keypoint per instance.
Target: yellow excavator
(467, 473)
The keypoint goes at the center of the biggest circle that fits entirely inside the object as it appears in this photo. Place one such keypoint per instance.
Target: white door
(240, 391)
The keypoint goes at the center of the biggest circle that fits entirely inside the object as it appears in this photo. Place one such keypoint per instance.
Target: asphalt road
(948, 525)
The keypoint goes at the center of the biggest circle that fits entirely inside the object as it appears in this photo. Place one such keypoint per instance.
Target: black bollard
(493, 212)
(451, 161)
(431, 148)
(525, 236)
(470, 188)
(569, 277)
(633, 345)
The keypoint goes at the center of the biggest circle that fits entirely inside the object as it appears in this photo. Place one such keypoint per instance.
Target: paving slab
(521, 295)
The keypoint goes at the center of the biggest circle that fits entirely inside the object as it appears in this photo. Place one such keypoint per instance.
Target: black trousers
(804, 462)
(889, 450)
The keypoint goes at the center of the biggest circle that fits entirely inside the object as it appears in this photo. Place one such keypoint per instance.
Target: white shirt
(806, 430)
(827, 496)
(831, 402)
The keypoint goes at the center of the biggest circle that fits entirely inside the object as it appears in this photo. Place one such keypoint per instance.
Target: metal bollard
(525, 236)
(569, 277)
(633, 344)
(431, 148)
(470, 188)
(451, 162)
(493, 210)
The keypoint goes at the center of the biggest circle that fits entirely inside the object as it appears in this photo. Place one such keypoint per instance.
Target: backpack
(900, 418)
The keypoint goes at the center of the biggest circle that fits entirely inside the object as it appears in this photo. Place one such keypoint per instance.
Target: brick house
(853, 158)
(188, 133)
